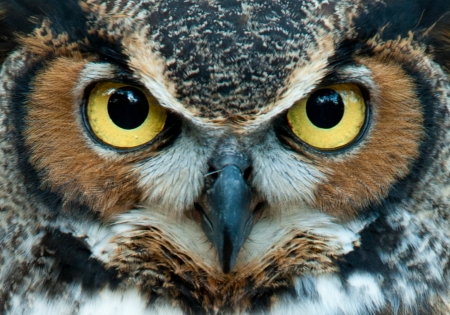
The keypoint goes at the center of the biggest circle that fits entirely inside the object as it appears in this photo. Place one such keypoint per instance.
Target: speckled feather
(225, 58)
(86, 228)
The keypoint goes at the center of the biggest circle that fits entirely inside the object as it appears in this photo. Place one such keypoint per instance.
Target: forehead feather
(227, 57)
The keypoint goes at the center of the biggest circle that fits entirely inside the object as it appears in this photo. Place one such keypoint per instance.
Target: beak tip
(226, 268)
(227, 264)
(227, 252)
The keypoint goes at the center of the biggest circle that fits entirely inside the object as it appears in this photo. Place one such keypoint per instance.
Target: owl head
(225, 156)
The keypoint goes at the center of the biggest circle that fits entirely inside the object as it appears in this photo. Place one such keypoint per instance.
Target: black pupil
(325, 108)
(128, 107)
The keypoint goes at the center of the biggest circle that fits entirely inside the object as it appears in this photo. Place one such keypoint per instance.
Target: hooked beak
(227, 219)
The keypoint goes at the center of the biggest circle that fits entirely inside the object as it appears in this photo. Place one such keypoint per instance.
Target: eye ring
(323, 133)
(123, 116)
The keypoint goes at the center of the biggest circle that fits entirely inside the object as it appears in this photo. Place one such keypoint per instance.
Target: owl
(224, 157)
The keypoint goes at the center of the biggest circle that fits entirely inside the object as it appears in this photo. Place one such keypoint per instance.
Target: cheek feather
(59, 151)
(386, 155)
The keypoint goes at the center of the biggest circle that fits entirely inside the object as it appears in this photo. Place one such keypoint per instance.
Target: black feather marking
(21, 17)
(393, 18)
(75, 263)
(439, 41)
(374, 237)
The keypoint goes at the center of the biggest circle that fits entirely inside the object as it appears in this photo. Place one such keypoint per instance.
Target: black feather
(439, 41)
(399, 17)
(21, 17)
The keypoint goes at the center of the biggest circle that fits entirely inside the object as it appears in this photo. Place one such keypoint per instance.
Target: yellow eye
(124, 116)
(329, 118)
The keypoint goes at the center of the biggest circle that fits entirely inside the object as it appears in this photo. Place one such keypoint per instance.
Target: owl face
(216, 154)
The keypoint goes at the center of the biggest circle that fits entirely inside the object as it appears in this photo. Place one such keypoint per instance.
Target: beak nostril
(248, 172)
